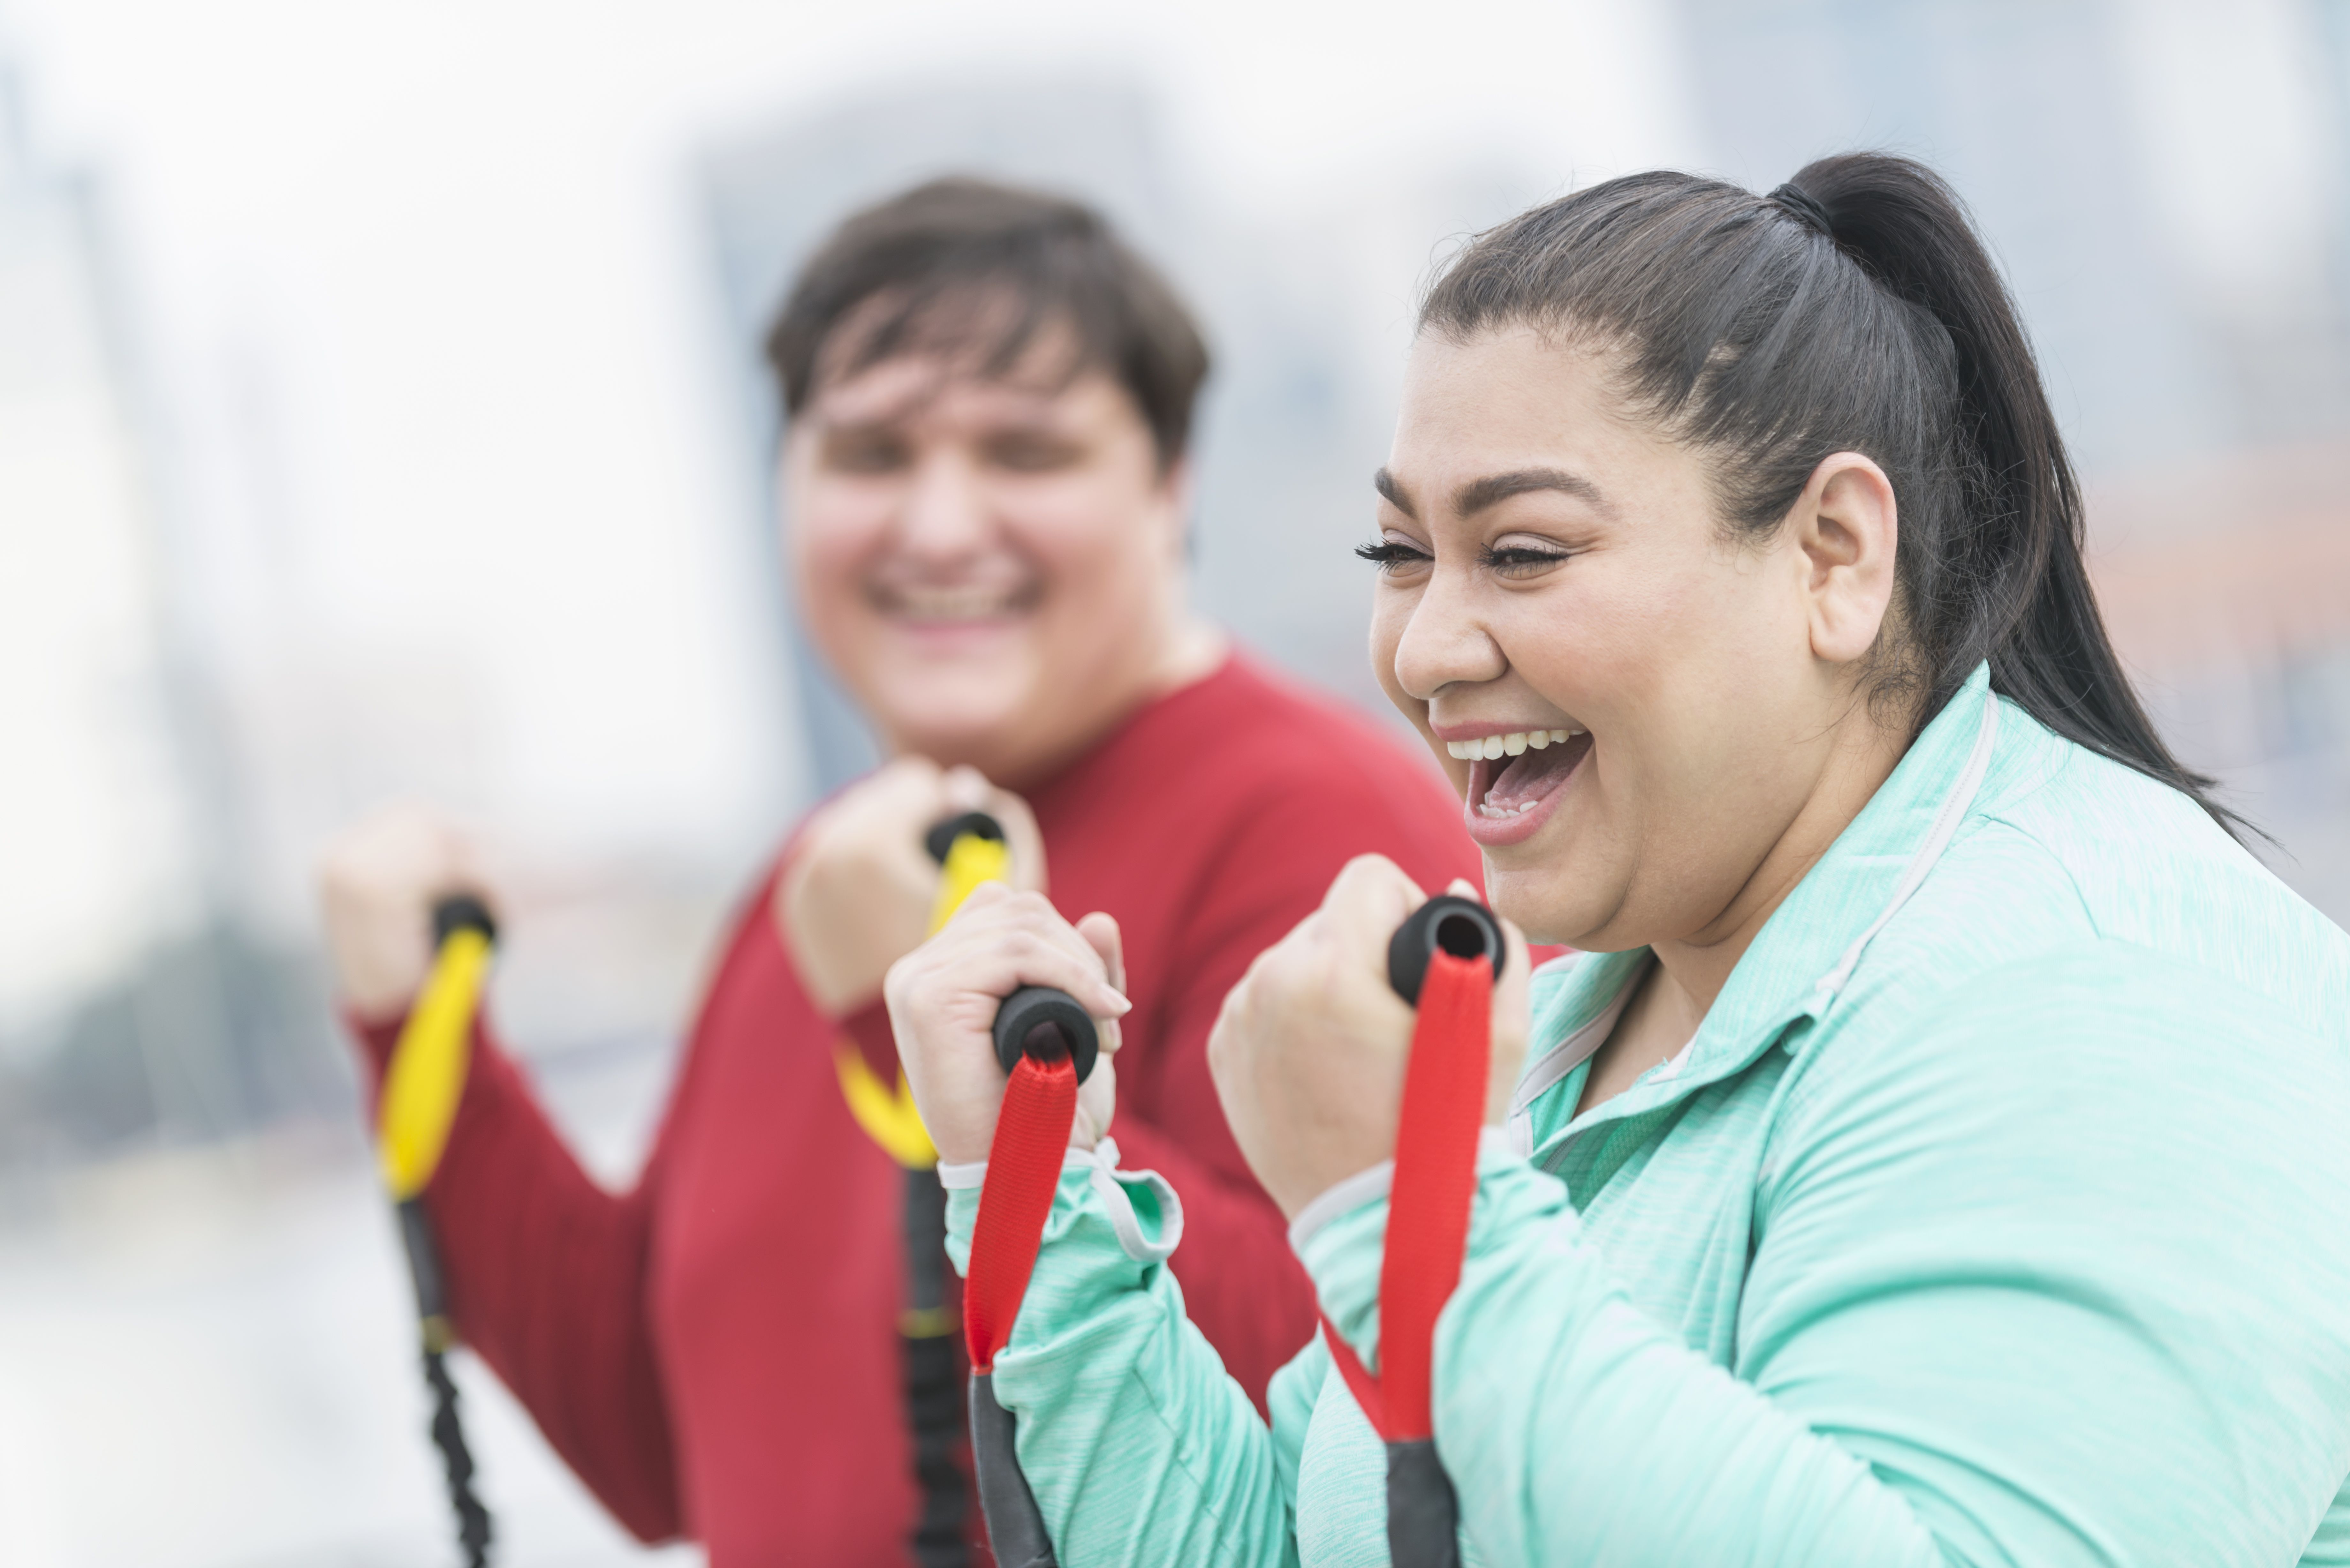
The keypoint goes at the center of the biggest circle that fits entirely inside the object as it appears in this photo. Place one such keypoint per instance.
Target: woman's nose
(1444, 643)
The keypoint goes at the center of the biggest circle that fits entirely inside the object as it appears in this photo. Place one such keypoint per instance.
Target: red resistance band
(1429, 1198)
(1023, 1169)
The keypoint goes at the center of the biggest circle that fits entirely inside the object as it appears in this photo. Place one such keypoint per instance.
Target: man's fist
(377, 884)
(857, 895)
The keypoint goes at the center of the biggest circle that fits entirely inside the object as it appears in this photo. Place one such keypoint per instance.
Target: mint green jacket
(1999, 1213)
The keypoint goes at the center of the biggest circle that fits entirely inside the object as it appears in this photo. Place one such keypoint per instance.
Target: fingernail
(1463, 886)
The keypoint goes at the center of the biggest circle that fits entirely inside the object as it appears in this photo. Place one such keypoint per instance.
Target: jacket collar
(1805, 953)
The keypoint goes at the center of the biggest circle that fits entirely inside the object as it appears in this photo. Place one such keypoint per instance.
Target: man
(986, 486)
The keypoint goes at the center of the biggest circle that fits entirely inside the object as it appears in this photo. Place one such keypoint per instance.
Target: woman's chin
(1549, 900)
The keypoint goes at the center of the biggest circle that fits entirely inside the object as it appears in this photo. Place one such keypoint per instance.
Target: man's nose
(1445, 642)
(945, 512)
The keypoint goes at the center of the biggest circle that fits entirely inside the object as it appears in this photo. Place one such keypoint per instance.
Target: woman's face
(991, 565)
(1554, 566)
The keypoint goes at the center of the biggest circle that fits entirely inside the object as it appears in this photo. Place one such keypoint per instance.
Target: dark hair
(968, 267)
(1853, 310)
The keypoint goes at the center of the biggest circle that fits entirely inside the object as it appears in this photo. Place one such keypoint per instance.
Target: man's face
(992, 564)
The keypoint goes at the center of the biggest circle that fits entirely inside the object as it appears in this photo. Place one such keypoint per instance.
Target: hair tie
(1805, 209)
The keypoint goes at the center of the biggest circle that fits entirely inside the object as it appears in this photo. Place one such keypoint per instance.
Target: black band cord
(474, 1530)
(934, 1380)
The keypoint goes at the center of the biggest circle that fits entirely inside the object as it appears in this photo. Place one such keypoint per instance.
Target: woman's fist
(857, 895)
(942, 999)
(1309, 1052)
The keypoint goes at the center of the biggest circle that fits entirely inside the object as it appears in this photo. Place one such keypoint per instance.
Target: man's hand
(856, 896)
(942, 1001)
(377, 886)
(1308, 1053)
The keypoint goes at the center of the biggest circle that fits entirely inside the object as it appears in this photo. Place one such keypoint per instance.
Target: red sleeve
(1242, 1284)
(548, 1283)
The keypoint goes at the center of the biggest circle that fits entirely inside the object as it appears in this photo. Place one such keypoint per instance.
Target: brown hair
(977, 270)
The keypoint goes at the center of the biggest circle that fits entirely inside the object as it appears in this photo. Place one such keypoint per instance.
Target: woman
(987, 487)
(1937, 1157)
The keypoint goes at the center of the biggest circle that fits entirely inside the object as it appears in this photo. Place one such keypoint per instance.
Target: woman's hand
(1309, 1052)
(856, 896)
(377, 884)
(943, 998)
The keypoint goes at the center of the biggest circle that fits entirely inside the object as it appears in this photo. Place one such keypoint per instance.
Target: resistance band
(1048, 1045)
(969, 850)
(420, 1092)
(1444, 960)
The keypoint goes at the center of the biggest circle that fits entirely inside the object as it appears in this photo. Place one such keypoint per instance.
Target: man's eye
(1391, 556)
(1032, 455)
(866, 453)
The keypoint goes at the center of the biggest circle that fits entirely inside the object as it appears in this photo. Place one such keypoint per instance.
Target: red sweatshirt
(716, 1352)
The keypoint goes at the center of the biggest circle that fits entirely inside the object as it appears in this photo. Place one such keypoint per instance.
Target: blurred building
(130, 1010)
(94, 825)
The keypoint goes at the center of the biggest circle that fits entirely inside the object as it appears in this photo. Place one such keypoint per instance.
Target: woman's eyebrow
(1396, 496)
(1493, 489)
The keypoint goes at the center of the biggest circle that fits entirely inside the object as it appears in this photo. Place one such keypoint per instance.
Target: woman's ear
(1846, 528)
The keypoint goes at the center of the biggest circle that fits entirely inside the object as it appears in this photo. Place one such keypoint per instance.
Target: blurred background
(380, 416)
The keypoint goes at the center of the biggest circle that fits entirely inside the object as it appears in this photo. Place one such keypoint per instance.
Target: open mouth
(1514, 779)
(1510, 774)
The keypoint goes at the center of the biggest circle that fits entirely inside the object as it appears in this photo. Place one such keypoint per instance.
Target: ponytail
(2024, 601)
(1855, 309)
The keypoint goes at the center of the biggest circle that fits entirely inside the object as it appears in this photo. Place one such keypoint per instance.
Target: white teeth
(1511, 744)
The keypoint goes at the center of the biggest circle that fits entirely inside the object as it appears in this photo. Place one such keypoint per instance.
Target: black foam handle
(1423, 1514)
(462, 912)
(1048, 1025)
(1015, 1525)
(1462, 927)
(943, 834)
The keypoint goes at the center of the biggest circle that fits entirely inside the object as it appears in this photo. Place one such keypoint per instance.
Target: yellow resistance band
(428, 1065)
(888, 1117)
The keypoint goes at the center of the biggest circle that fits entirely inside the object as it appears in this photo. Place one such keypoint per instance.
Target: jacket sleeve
(1139, 1448)
(546, 1278)
(2053, 1279)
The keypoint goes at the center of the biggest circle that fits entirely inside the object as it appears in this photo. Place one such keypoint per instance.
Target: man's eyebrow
(1385, 484)
(1495, 488)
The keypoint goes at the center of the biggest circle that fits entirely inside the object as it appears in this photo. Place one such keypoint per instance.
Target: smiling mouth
(1510, 774)
(951, 607)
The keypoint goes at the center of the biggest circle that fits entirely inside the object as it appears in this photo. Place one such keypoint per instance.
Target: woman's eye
(1392, 557)
(1522, 560)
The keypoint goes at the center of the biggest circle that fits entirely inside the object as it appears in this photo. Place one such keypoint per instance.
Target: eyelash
(1519, 559)
(1388, 554)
